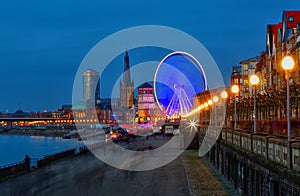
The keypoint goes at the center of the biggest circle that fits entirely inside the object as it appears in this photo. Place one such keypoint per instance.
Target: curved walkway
(86, 175)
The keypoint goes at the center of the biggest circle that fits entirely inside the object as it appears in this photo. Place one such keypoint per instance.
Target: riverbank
(36, 132)
(16, 146)
(186, 175)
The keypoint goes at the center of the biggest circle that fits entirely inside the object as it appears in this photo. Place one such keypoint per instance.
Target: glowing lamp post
(215, 100)
(205, 105)
(235, 90)
(254, 80)
(224, 96)
(288, 64)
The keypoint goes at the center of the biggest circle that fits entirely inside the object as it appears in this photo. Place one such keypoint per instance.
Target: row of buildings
(124, 109)
(282, 39)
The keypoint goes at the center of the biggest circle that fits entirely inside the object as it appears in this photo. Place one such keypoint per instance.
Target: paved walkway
(86, 175)
(201, 178)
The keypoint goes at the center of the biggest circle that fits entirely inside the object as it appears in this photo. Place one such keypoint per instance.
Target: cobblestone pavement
(202, 179)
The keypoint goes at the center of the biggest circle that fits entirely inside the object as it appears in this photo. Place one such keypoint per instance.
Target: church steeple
(126, 85)
(126, 73)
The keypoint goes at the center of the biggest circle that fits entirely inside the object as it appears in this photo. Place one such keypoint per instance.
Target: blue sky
(42, 43)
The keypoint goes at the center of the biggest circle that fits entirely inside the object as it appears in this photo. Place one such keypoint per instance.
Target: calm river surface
(13, 148)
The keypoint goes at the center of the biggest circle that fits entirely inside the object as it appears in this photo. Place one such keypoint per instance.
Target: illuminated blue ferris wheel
(178, 78)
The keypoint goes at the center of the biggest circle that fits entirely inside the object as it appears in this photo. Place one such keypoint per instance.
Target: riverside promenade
(86, 175)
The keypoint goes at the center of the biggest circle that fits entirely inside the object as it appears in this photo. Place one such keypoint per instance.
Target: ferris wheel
(178, 78)
(180, 103)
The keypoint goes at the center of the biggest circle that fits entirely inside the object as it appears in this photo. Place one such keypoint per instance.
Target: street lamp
(224, 96)
(254, 80)
(215, 100)
(235, 90)
(288, 64)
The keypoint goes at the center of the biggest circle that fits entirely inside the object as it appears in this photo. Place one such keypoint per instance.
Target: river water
(13, 148)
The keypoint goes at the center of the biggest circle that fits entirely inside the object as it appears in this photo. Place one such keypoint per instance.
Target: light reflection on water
(13, 148)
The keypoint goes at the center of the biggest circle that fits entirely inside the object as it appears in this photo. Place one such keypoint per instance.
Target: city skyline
(41, 51)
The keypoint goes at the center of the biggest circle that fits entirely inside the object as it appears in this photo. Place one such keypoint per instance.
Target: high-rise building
(126, 86)
(91, 88)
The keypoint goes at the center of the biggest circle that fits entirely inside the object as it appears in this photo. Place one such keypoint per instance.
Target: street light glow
(224, 94)
(210, 102)
(193, 124)
(287, 63)
(254, 80)
(235, 88)
(216, 99)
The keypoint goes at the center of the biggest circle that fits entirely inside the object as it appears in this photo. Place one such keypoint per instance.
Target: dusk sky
(42, 43)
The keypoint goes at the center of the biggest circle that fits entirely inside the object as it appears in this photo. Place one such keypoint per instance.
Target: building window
(291, 19)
